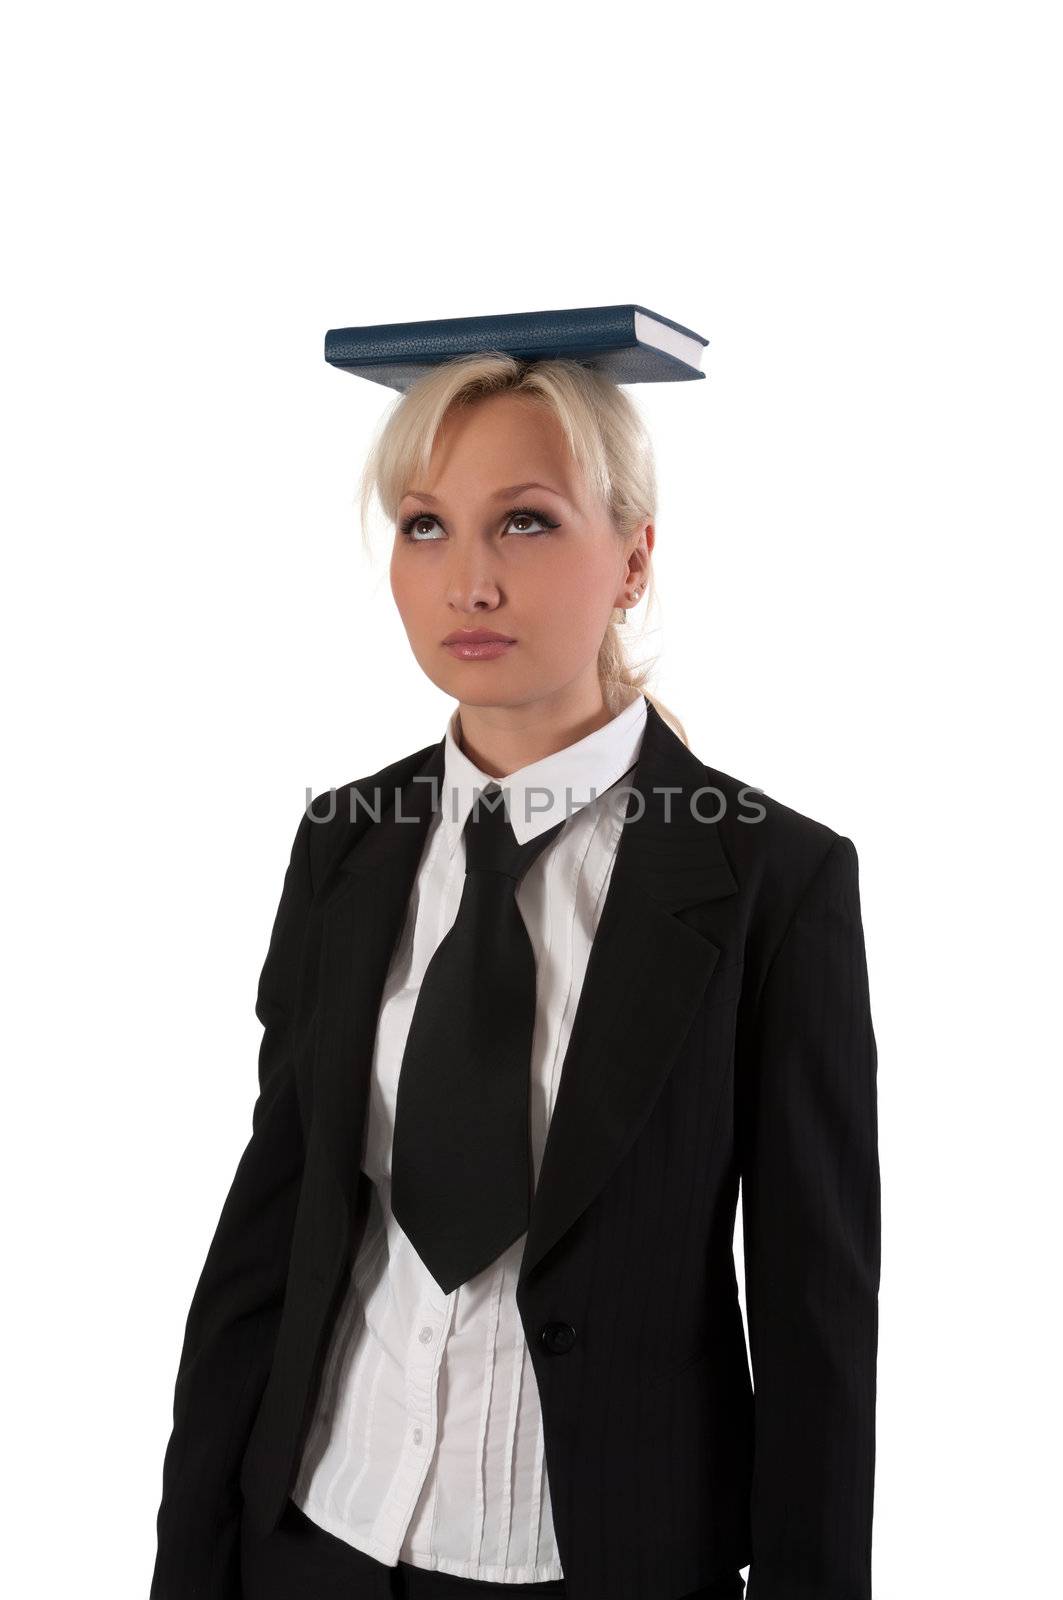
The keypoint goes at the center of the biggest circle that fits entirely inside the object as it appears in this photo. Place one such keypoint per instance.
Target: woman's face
(501, 535)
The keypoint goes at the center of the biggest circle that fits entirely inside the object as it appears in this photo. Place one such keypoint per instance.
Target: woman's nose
(470, 582)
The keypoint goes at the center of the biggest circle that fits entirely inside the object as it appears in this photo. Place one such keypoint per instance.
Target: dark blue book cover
(628, 344)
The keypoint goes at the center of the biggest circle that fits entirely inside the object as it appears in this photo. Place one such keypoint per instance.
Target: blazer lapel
(647, 973)
(362, 921)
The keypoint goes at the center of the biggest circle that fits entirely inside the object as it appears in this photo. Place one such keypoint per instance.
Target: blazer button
(557, 1337)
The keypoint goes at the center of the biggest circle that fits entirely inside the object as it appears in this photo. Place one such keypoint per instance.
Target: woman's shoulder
(335, 812)
(775, 850)
(371, 787)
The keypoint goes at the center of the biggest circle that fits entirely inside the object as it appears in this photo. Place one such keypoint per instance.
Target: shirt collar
(547, 791)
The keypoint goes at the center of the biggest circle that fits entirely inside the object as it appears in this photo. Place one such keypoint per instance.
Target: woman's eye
(410, 524)
(531, 516)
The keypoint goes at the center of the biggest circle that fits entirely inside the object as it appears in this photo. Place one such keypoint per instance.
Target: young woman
(538, 996)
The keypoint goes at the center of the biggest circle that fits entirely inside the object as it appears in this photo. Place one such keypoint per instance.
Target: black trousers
(300, 1561)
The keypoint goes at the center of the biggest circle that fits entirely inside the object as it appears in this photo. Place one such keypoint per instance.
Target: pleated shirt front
(427, 1441)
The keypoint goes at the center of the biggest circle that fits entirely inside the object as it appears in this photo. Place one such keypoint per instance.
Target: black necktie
(461, 1171)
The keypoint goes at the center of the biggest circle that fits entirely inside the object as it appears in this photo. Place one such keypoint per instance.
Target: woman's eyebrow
(496, 494)
(519, 488)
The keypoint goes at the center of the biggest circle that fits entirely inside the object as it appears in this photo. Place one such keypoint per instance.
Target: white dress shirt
(427, 1442)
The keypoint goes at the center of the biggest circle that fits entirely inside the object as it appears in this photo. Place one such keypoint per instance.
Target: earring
(623, 613)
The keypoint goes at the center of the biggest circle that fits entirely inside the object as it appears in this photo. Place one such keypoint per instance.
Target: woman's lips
(478, 649)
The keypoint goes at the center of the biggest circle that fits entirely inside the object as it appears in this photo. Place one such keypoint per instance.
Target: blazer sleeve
(232, 1324)
(811, 1244)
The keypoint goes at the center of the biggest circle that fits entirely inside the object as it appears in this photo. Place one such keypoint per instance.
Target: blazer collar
(648, 970)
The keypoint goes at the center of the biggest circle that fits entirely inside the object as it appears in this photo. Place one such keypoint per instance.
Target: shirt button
(425, 1335)
(416, 1435)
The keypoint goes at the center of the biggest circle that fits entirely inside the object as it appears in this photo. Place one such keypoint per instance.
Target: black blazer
(723, 1032)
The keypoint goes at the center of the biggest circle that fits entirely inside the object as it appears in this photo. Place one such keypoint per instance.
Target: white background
(857, 540)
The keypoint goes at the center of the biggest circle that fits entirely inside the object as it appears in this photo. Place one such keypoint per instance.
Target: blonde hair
(605, 434)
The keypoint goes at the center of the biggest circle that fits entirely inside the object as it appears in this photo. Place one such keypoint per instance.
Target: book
(628, 344)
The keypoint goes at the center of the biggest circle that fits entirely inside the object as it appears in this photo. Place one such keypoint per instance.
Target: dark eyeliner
(530, 511)
(407, 523)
